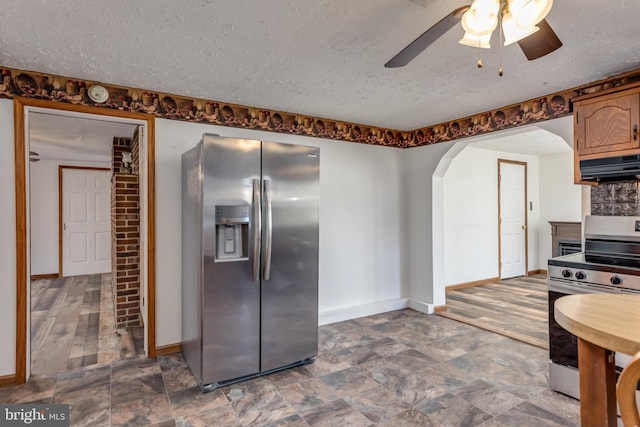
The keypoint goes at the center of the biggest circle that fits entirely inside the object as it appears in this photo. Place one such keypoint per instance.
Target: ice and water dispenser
(232, 233)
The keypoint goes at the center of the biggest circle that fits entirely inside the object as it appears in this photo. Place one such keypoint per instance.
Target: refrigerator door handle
(257, 230)
(269, 230)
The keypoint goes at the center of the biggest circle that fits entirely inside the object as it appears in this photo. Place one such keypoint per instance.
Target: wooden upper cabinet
(608, 123)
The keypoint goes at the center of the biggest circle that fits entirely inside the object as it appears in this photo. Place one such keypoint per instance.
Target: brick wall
(125, 237)
(135, 151)
(120, 145)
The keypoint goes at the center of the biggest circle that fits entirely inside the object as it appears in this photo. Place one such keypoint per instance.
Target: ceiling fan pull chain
(500, 71)
(480, 63)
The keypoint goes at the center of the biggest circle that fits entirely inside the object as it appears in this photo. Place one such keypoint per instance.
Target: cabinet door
(607, 124)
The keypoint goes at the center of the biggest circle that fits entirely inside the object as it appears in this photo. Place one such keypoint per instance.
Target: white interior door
(86, 222)
(513, 219)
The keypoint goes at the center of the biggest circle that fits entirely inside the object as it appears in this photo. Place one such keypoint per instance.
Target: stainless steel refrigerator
(249, 258)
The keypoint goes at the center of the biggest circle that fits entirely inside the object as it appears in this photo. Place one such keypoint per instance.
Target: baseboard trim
(421, 306)
(472, 284)
(440, 308)
(341, 314)
(45, 276)
(532, 272)
(7, 380)
(164, 350)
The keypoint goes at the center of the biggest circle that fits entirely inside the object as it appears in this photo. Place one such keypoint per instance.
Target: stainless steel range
(610, 263)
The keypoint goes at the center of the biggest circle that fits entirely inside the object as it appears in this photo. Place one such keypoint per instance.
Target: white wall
(359, 224)
(360, 219)
(420, 251)
(560, 198)
(471, 227)
(471, 236)
(470, 212)
(562, 128)
(7, 241)
(381, 236)
(43, 182)
(559, 195)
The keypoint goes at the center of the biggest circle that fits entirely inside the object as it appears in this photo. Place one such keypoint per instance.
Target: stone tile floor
(401, 368)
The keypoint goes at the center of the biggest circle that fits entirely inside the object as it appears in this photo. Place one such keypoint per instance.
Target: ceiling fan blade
(423, 41)
(540, 43)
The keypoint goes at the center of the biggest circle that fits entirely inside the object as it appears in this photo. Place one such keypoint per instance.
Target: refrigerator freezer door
(290, 294)
(192, 259)
(230, 298)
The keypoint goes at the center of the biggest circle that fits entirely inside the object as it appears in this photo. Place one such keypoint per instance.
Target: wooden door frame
(61, 169)
(22, 245)
(526, 218)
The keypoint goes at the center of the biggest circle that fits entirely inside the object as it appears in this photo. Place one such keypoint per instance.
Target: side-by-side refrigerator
(249, 258)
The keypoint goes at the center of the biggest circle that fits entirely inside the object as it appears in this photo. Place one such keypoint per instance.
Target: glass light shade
(528, 13)
(512, 32)
(476, 41)
(483, 9)
(479, 25)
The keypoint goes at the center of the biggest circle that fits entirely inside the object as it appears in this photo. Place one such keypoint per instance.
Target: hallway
(73, 325)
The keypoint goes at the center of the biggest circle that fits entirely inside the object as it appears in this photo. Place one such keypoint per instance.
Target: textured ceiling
(317, 57)
(62, 137)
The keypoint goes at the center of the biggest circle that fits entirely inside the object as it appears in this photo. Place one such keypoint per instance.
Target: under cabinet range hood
(609, 169)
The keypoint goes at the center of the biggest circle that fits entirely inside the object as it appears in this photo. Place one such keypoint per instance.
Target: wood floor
(516, 308)
(73, 325)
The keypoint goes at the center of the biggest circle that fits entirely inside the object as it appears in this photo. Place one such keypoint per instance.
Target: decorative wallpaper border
(70, 90)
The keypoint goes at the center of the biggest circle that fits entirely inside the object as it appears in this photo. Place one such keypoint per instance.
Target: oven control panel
(573, 275)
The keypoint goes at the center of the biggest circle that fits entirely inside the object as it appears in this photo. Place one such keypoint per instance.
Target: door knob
(524, 227)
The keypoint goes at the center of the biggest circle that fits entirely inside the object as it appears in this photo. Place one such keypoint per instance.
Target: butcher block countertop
(610, 321)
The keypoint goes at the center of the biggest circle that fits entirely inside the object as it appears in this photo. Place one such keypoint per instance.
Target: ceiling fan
(537, 44)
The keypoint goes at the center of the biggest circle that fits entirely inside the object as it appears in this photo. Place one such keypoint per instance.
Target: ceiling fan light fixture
(485, 8)
(512, 32)
(534, 46)
(481, 18)
(528, 13)
(476, 41)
